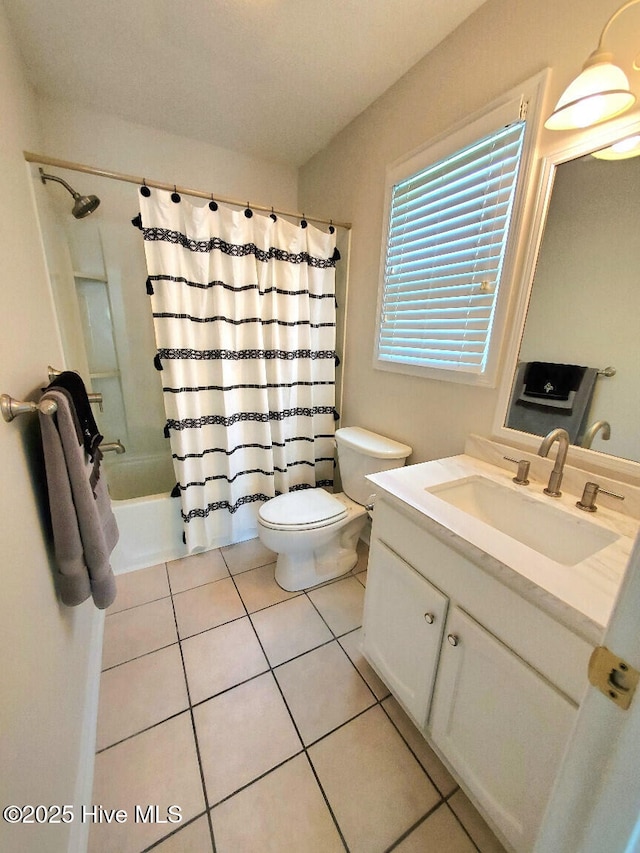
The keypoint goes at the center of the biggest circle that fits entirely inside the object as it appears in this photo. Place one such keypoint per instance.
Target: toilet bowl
(315, 533)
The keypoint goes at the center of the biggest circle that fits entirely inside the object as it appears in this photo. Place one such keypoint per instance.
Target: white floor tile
(289, 629)
(323, 690)
(221, 658)
(157, 767)
(284, 812)
(137, 631)
(242, 734)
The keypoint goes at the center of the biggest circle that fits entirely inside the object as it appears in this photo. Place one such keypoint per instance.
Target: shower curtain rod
(132, 179)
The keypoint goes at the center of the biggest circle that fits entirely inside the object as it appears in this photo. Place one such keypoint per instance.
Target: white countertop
(579, 596)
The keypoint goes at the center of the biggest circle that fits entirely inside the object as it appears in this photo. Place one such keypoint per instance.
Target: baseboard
(79, 834)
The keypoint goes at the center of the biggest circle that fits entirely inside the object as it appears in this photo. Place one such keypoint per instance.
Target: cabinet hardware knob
(429, 618)
(453, 639)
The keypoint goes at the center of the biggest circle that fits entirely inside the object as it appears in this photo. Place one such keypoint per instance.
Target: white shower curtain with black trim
(244, 314)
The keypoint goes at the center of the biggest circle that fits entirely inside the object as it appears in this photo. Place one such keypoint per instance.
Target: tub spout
(117, 446)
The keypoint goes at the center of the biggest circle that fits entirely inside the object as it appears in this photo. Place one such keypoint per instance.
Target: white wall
(106, 142)
(502, 44)
(44, 647)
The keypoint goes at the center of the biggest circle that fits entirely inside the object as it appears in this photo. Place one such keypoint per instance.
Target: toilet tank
(362, 452)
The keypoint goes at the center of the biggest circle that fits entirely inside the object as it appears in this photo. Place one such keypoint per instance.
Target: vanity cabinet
(405, 617)
(493, 683)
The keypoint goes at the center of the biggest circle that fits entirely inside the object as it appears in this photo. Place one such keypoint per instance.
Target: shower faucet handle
(522, 477)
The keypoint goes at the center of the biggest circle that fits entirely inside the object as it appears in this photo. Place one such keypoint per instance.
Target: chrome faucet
(555, 478)
(590, 434)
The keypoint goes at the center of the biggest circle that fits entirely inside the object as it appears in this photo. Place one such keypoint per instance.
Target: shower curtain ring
(248, 212)
(212, 204)
(174, 195)
(144, 189)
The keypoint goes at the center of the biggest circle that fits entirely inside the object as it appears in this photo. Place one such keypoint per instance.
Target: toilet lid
(302, 508)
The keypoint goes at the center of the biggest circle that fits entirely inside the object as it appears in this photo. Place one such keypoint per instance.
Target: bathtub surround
(245, 319)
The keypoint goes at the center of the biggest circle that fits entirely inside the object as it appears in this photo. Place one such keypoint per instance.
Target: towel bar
(11, 408)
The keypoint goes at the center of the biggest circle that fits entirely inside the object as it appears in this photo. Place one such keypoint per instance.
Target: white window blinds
(448, 227)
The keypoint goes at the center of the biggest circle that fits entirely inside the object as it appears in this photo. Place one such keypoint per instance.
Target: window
(449, 221)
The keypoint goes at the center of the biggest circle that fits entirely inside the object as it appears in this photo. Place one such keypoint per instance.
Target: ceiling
(275, 79)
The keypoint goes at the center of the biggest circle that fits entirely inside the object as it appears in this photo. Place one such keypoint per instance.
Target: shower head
(83, 205)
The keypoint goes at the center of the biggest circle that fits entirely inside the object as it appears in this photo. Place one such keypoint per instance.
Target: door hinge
(613, 676)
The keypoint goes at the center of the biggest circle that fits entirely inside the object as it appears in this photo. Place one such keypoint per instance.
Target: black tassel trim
(166, 431)
(175, 492)
(137, 221)
(336, 301)
(336, 255)
(157, 363)
(150, 289)
(337, 360)
(184, 538)
(336, 415)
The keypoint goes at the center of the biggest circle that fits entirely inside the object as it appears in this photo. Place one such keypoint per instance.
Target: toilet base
(304, 569)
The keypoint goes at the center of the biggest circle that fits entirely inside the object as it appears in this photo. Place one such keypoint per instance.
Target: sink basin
(547, 529)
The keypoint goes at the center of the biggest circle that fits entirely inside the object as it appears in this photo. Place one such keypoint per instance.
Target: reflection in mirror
(583, 313)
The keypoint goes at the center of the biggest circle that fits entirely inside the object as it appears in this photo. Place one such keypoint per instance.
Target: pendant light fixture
(622, 150)
(599, 93)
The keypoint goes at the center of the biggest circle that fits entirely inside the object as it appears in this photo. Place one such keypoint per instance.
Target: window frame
(500, 112)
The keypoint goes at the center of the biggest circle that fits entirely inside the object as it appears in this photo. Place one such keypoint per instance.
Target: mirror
(584, 301)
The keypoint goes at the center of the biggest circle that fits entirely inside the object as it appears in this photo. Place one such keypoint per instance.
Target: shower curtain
(244, 314)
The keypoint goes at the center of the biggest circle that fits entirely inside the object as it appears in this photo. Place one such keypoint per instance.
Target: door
(501, 725)
(404, 618)
(604, 749)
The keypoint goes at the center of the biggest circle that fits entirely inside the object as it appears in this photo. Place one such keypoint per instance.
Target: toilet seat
(302, 510)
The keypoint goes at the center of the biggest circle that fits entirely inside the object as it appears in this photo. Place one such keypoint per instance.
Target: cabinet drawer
(404, 617)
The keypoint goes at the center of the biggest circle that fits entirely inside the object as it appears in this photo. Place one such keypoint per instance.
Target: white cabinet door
(501, 725)
(404, 618)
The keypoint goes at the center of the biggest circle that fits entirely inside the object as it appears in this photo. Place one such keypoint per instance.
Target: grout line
(407, 833)
(326, 801)
(459, 821)
(138, 657)
(271, 668)
(193, 727)
(174, 832)
(295, 725)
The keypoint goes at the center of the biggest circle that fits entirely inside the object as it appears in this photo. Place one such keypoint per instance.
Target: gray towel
(84, 527)
(539, 417)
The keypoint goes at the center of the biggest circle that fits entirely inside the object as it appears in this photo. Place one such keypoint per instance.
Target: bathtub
(148, 517)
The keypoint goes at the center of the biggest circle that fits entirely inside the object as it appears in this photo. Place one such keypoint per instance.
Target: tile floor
(252, 709)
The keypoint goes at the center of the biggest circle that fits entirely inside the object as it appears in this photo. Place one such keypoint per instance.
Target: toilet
(315, 533)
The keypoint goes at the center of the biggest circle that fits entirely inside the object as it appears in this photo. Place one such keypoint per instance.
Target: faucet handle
(522, 477)
(588, 500)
